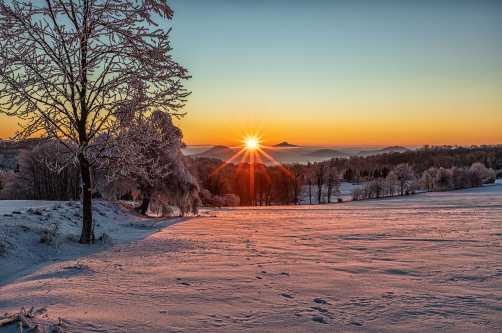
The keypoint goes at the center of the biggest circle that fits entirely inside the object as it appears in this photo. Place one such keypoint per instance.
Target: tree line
(192, 179)
(273, 185)
(430, 168)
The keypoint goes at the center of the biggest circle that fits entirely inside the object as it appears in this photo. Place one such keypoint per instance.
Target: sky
(339, 73)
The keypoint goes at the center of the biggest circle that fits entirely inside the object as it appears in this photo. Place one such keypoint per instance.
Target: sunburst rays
(252, 149)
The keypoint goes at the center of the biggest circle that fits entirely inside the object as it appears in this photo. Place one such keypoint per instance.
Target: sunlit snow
(429, 261)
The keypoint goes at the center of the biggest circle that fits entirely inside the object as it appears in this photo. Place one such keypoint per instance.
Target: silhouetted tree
(320, 177)
(297, 171)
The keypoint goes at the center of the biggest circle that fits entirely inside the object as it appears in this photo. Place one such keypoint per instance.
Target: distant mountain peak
(220, 152)
(394, 149)
(327, 153)
(219, 148)
(284, 144)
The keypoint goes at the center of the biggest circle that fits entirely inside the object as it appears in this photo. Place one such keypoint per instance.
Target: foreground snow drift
(36, 233)
(428, 262)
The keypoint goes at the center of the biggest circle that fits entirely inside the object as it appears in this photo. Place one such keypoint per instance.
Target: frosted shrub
(480, 169)
(226, 200)
(356, 193)
(4, 245)
(490, 177)
(26, 227)
(458, 178)
(37, 211)
(474, 177)
(442, 180)
(481, 174)
(50, 235)
(231, 200)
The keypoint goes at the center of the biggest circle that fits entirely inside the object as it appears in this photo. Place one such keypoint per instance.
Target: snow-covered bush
(26, 227)
(4, 245)
(37, 211)
(356, 193)
(459, 178)
(50, 235)
(442, 180)
(225, 200)
(231, 200)
(490, 177)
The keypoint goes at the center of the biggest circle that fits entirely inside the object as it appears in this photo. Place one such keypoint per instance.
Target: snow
(8, 206)
(429, 261)
(21, 229)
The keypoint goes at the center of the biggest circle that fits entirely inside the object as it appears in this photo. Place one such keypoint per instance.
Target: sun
(251, 149)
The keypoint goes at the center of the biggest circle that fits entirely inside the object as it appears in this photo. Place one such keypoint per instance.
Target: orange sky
(463, 122)
(359, 73)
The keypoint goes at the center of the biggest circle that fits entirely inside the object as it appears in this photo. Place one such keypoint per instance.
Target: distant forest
(430, 168)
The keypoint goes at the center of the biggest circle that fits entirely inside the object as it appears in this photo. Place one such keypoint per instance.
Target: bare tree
(404, 173)
(377, 187)
(77, 70)
(309, 178)
(320, 177)
(427, 180)
(36, 181)
(297, 170)
(390, 183)
(332, 181)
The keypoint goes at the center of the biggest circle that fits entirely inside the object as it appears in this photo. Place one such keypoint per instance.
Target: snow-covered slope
(427, 262)
(34, 234)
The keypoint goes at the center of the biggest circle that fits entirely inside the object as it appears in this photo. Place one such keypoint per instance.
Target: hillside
(327, 153)
(220, 152)
(284, 145)
(394, 149)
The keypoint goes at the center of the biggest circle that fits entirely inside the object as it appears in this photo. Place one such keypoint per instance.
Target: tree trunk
(319, 193)
(310, 193)
(144, 205)
(330, 189)
(146, 190)
(85, 170)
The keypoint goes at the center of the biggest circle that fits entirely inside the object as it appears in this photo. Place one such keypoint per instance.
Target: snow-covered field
(427, 262)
